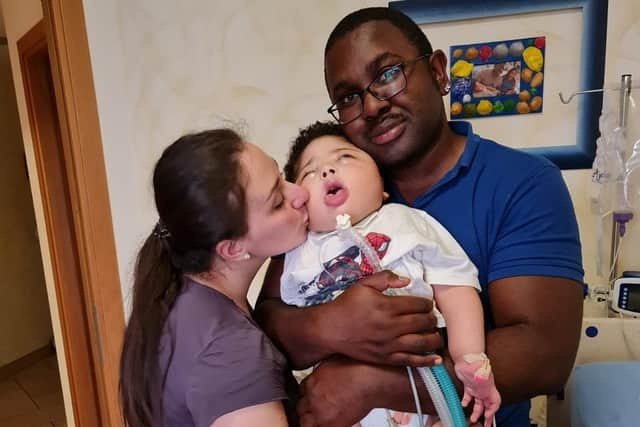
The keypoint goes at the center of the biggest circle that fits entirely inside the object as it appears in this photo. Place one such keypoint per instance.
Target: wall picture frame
(591, 63)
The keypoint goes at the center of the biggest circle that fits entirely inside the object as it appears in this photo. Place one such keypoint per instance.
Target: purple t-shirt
(221, 360)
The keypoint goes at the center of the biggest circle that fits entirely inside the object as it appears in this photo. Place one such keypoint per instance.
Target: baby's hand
(479, 385)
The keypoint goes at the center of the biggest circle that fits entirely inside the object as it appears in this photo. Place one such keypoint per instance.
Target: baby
(342, 179)
(508, 85)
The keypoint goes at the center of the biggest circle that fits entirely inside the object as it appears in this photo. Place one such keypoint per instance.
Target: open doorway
(30, 389)
(61, 138)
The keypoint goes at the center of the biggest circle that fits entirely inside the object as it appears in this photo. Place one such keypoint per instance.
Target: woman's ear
(385, 196)
(232, 250)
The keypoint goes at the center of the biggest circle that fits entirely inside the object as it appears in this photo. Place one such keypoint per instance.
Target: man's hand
(362, 323)
(339, 393)
(366, 325)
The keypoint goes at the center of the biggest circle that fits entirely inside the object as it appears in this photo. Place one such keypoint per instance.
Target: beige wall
(19, 17)
(25, 324)
(161, 70)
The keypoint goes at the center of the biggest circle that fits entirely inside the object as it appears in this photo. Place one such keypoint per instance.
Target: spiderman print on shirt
(342, 271)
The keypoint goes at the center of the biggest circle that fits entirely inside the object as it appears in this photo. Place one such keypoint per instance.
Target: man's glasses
(389, 82)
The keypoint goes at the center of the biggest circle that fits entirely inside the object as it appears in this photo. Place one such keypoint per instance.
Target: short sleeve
(444, 260)
(537, 231)
(238, 369)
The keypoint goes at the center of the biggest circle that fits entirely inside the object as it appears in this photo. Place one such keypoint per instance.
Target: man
(511, 212)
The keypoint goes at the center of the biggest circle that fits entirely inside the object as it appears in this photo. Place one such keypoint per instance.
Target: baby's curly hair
(305, 137)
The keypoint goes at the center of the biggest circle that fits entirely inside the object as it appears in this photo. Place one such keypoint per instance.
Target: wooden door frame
(61, 242)
(101, 297)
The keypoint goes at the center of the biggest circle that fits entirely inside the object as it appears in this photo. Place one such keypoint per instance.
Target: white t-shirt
(407, 241)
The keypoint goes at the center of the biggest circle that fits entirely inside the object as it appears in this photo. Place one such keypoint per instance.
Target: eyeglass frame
(335, 112)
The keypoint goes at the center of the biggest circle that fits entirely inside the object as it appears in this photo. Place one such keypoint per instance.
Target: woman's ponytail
(155, 289)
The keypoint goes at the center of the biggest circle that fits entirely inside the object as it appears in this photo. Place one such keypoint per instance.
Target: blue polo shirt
(512, 214)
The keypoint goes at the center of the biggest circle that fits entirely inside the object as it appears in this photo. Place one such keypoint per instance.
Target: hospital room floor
(33, 397)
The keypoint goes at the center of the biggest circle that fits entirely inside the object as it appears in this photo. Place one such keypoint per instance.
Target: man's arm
(535, 297)
(532, 350)
(363, 323)
(537, 330)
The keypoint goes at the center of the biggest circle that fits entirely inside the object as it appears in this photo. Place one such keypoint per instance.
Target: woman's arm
(264, 414)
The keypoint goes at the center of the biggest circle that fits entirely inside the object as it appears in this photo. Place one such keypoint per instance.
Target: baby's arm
(462, 310)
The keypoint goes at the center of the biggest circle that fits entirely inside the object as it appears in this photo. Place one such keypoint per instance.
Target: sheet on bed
(606, 394)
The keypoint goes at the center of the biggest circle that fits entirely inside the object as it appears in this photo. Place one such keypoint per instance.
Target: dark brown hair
(305, 137)
(199, 195)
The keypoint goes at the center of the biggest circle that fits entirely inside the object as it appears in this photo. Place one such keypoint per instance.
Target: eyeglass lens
(387, 84)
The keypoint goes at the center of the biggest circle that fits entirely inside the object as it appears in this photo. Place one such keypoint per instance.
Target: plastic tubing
(443, 394)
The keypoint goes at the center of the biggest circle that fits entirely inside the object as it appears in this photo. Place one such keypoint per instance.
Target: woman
(192, 354)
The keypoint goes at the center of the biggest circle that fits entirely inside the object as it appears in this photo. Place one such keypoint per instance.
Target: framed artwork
(573, 55)
(497, 78)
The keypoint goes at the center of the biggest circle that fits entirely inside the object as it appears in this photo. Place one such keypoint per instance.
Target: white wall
(19, 17)
(161, 70)
(25, 324)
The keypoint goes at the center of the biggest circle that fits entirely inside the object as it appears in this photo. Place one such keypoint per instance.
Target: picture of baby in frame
(497, 78)
(502, 78)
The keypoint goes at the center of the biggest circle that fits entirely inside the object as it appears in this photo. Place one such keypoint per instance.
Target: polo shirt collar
(470, 146)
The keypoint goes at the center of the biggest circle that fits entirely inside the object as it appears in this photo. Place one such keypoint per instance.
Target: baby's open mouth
(335, 194)
(333, 189)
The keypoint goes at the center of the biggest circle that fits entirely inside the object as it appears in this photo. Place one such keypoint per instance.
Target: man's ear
(231, 250)
(438, 61)
(385, 195)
